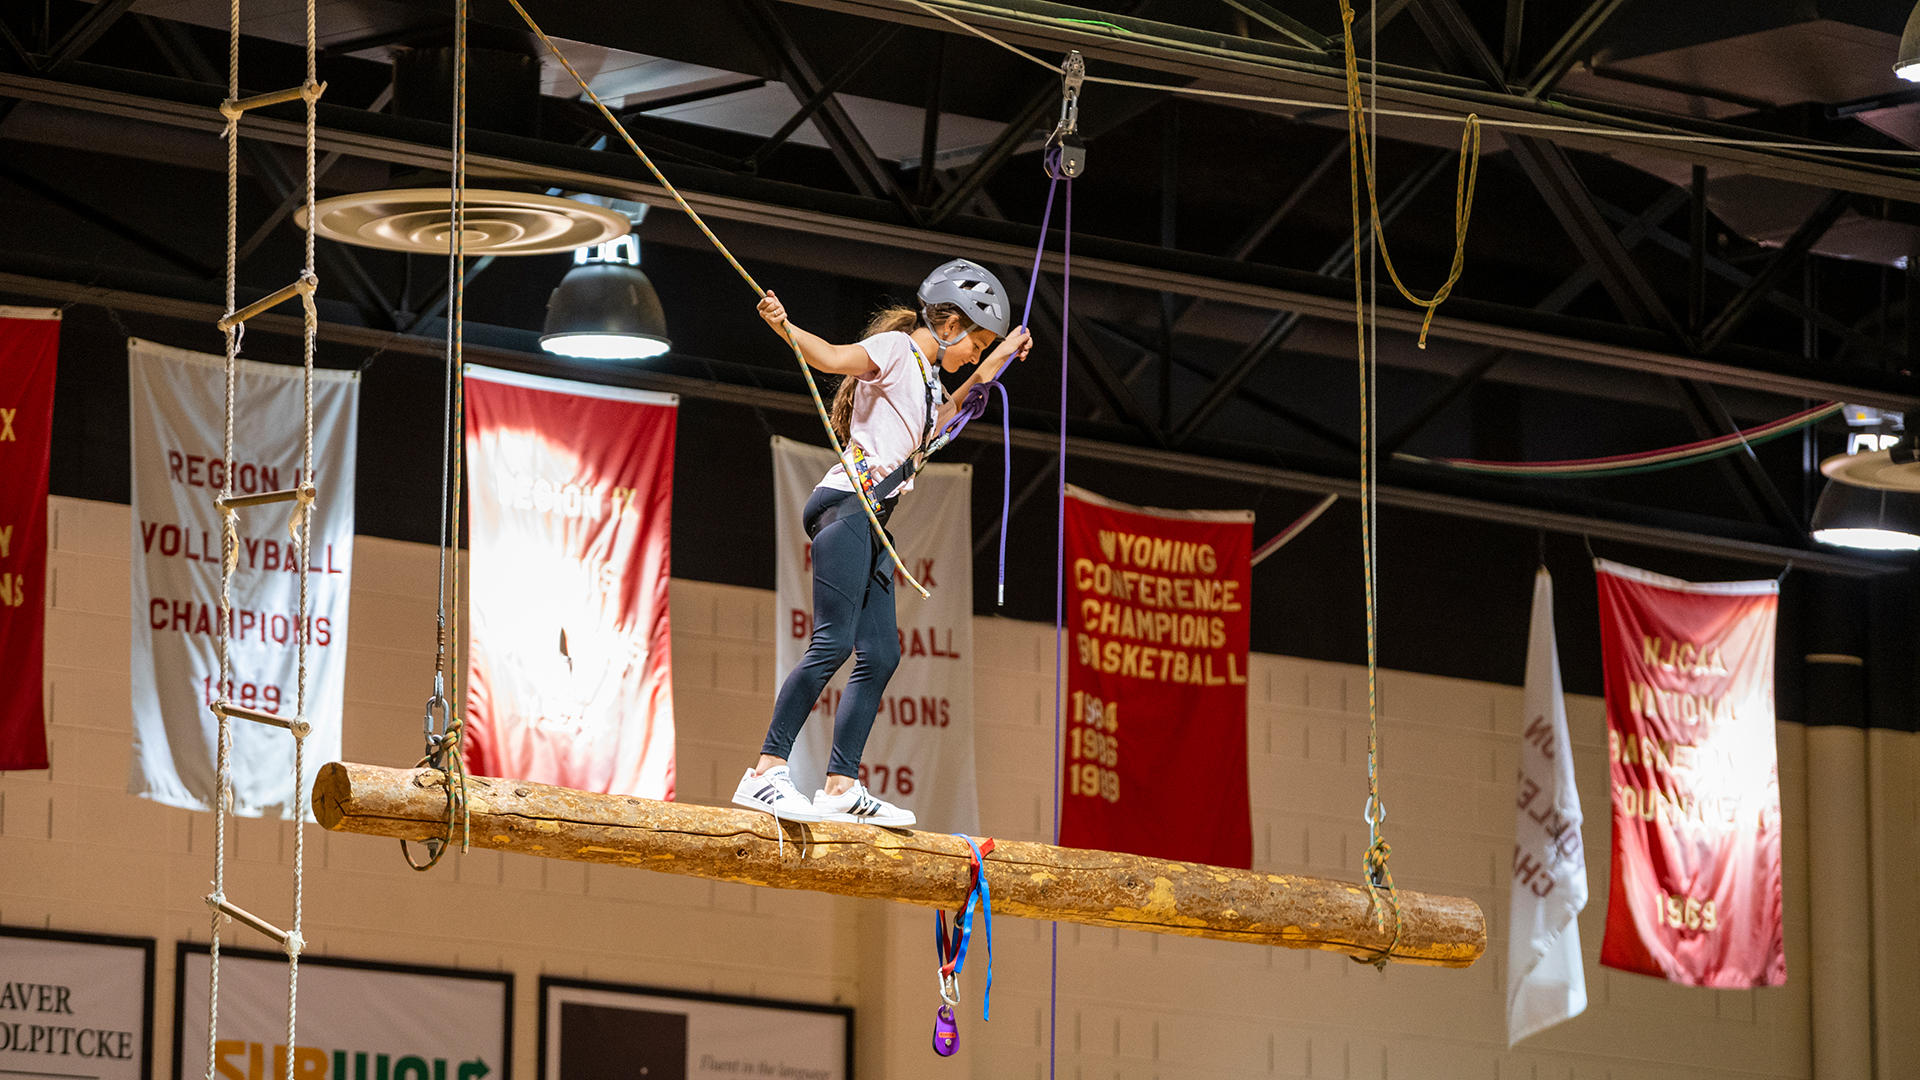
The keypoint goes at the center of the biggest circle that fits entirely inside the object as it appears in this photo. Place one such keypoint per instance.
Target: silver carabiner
(1073, 74)
(949, 987)
(1065, 155)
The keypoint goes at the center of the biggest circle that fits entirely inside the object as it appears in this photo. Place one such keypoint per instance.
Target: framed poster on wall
(358, 1019)
(75, 1006)
(606, 1031)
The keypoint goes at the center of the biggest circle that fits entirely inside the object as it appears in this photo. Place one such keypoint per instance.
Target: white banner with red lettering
(179, 409)
(920, 755)
(1546, 978)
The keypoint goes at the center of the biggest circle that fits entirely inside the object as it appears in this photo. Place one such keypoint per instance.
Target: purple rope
(1059, 599)
(977, 398)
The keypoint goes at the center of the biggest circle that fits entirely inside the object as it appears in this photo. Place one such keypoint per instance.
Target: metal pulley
(1065, 156)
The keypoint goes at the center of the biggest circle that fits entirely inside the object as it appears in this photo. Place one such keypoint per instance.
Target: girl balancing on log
(886, 413)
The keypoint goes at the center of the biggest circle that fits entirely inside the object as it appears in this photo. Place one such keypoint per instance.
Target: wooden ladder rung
(264, 303)
(288, 940)
(265, 497)
(299, 727)
(232, 108)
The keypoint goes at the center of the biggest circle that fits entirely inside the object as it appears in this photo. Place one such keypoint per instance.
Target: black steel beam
(95, 216)
(1572, 47)
(1784, 260)
(1634, 231)
(1283, 325)
(1023, 124)
(820, 97)
(1510, 40)
(1343, 443)
(930, 120)
(1634, 532)
(179, 49)
(869, 174)
(1548, 166)
(1697, 254)
(1779, 297)
(1227, 62)
(724, 197)
(1554, 176)
(1281, 22)
(81, 35)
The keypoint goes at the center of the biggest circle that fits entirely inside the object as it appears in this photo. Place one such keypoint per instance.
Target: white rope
(301, 525)
(308, 482)
(1412, 114)
(230, 553)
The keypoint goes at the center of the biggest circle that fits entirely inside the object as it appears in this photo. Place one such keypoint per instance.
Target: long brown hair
(894, 318)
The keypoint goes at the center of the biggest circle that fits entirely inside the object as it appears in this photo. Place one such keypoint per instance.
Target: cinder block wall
(78, 853)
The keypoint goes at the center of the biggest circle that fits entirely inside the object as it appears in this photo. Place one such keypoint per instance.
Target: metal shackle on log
(1034, 881)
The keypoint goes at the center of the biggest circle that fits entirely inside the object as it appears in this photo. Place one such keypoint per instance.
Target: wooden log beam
(1035, 881)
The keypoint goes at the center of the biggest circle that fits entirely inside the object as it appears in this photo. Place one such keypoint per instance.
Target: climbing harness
(299, 527)
(444, 747)
(813, 388)
(951, 947)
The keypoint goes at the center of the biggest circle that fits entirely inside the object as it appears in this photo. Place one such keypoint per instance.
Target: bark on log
(1035, 881)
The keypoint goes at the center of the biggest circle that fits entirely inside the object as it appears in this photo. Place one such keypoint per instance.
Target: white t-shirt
(889, 409)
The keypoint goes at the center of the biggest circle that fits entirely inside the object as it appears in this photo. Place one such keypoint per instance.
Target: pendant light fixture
(1870, 500)
(502, 217)
(605, 308)
(1857, 517)
(1906, 62)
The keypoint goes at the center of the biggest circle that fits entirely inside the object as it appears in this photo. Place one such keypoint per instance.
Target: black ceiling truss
(1284, 70)
(272, 174)
(94, 215)
(1784, 260)
(1187, 272)
(1547, 165)
(942, 211)
(821, 96)
(869, 174)
(1284, 324)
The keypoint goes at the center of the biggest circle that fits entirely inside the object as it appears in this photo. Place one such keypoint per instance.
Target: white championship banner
(358, 1020)
(178, 406)
(920, 755)
(75, 1006)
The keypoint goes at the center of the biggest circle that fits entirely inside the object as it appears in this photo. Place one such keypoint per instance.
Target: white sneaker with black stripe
(773, 792)
(857, 804)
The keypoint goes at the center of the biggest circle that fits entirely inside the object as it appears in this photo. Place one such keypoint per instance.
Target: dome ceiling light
(1869, 500)
(418, 220)
(605, 308)
(1906, 62)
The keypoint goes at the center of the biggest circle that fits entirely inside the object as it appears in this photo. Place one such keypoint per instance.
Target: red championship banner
(29, 344)
(570, 673)
(1155, 758)
(1696, 787)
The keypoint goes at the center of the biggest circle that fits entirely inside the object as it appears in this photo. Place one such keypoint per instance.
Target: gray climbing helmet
(974, 290)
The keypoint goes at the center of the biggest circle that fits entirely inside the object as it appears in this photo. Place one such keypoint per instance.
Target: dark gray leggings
(852, 613)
